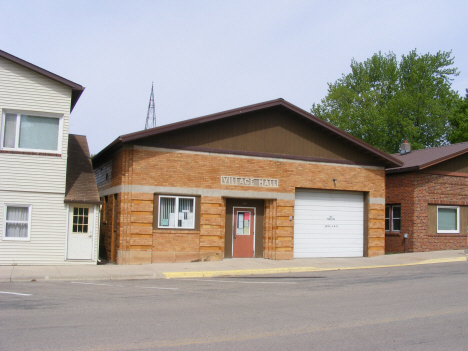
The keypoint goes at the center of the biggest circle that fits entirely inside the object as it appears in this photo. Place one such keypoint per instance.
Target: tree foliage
(383, 100)
(459, 122)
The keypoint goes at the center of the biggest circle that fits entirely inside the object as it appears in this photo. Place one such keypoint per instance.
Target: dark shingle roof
(420, 159)
(81, 184)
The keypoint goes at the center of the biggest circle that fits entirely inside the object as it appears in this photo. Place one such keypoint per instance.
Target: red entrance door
(243, 232)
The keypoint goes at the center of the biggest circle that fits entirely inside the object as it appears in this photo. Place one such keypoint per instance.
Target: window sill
(176, 231)
(17, 240)
(16, 152)
(392, 233)
(173, 228)
(447, 234)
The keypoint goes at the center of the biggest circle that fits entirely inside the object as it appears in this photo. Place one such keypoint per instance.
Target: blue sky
(209, 56)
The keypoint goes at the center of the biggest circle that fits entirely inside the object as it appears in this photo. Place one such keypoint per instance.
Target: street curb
(45, 278)
(207, 274)
(242, 272)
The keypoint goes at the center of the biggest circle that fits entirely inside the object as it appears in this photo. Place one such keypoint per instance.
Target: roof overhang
(77, 89)
(442, 159)
(71, 201)
(428, 164)
(402, 170)
(388, 159)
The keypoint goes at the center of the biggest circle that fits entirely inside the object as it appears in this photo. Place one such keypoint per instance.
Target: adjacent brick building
(427, 199)
(267, 180)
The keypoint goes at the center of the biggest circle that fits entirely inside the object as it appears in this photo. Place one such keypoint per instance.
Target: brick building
(267, 180)
(427, 199)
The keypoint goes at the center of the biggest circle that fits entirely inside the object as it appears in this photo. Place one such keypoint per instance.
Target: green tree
(383, 100)
(459, 122)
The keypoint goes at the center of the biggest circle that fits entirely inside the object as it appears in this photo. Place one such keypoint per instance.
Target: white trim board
(167, 190)
(195, 191)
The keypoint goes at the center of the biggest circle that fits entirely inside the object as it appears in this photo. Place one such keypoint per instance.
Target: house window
(393, 218)
(26, 132)
(176, 212)
(448, 219)
(17, 223)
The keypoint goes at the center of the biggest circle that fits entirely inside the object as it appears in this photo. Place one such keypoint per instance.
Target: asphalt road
(401, 308)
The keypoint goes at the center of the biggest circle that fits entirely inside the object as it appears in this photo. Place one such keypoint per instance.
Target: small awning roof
(81, 185)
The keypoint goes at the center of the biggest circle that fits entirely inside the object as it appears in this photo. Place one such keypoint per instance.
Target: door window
(80, 220)
(243, 223)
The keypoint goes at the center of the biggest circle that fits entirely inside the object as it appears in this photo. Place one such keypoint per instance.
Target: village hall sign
(246, 181)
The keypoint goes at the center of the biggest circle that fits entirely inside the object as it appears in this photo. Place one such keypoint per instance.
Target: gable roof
(81, 185)
(77, 89)
(420, 159)
(127, 138)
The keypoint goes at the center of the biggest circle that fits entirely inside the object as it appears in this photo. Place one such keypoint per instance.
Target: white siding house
(35, 219)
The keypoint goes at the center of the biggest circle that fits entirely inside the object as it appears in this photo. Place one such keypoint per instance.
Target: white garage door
(328, 224)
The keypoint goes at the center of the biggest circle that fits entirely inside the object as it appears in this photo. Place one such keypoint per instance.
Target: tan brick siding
(139, 243)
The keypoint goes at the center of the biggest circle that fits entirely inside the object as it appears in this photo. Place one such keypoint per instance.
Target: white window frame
(4, 237)
(391, 229)
(18, 122)
(457, 231)
(176, 206)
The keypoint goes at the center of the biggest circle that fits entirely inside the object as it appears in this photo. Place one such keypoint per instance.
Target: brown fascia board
(230, 113)
(402, 170)
(77, 89)
(344, 134)
(69, 201)
(199, 120)
(178, 125)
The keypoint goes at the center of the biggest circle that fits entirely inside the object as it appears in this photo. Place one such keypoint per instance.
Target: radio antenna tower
(151, 116)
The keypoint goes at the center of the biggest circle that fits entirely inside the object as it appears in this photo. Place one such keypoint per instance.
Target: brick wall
(103, 175)
(269, 229)
(212, 227)
(140, 243)
(109, 238)
(415, 191)
(283, 239)
(400, 190)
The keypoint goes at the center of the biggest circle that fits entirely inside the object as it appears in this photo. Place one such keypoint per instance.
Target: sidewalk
(227, 267)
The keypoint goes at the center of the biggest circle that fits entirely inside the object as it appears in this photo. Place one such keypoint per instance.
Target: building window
(448, 219)
(176, 212)
(35, 133)
(393, 218)
(17, 223)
